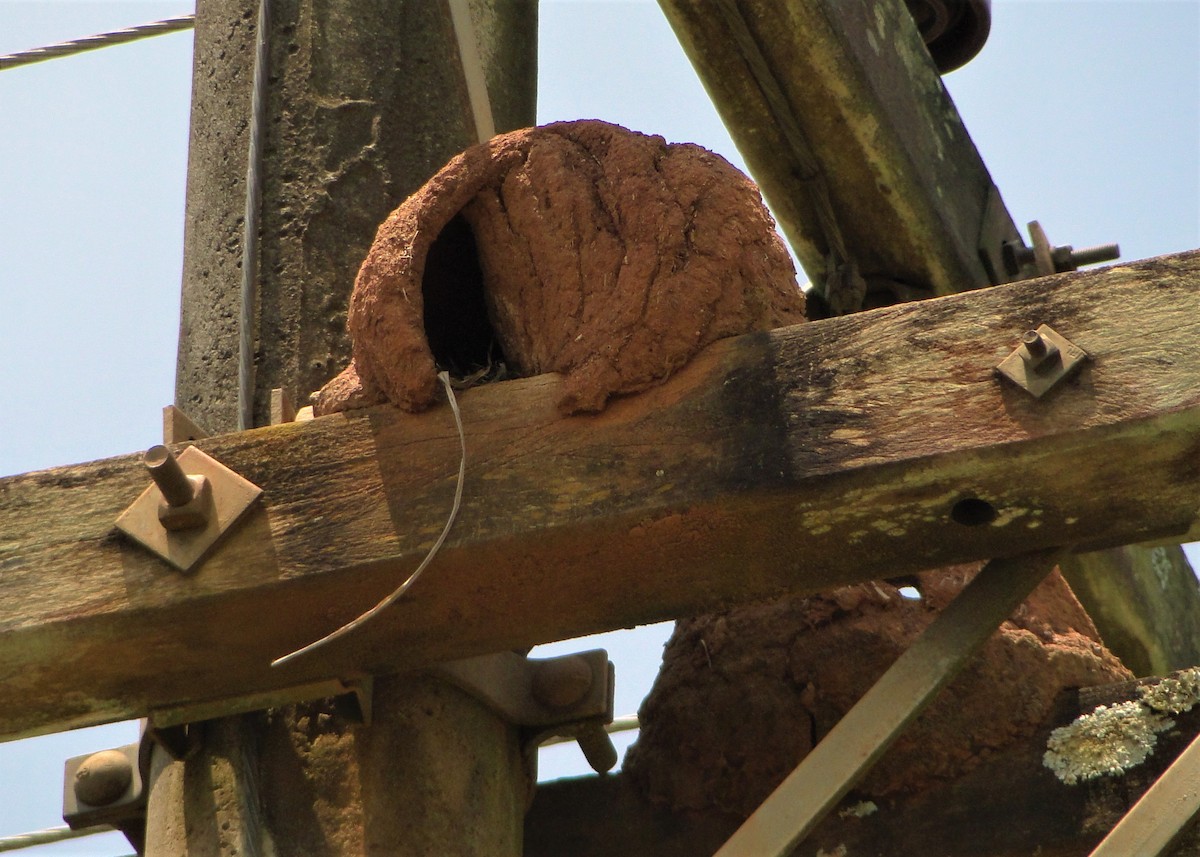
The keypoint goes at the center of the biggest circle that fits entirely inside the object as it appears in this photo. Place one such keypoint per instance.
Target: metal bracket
(178, 427)
(352, 698)
(1043, 358)
(996, 232)
(284, 410)
(569, 696)
(193, 502)
(107, 787)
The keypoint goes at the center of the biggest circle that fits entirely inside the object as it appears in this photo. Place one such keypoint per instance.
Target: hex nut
(193, 514)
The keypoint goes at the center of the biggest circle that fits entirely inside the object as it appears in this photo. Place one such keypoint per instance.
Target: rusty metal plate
(1039, 377)
(232, 497)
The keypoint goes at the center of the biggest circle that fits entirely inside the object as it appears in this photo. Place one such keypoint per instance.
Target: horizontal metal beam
(799, 459)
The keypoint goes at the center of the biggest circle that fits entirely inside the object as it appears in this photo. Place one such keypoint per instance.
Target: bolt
(597, 747)
(187, 500)
(103, 778)
(1067, 258)
(1035, 349)
(562, 683)
(1015, 255)
(164, 468)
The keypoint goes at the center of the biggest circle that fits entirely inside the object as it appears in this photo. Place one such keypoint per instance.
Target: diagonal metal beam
(1162, 815)
(868, 729)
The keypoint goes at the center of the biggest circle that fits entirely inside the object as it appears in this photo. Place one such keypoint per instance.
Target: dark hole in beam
(973, 512)
(457, 326)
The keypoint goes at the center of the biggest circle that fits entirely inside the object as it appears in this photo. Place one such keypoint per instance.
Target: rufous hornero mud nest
(582, 248)
(745, 694)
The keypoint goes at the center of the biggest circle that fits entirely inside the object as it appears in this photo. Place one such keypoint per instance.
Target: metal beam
(1160, 818)
(860, 738)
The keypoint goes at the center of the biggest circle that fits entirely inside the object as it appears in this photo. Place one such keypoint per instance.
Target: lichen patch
(1173, 695)
(1105, 742)
(859, 810)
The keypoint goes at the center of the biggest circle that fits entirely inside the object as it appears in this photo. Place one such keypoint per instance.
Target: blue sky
(1087, 114)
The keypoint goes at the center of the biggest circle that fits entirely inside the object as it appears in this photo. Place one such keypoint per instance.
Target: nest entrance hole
(458, 327)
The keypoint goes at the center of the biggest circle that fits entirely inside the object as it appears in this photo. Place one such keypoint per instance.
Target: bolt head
(1037, 351)
(103, 778)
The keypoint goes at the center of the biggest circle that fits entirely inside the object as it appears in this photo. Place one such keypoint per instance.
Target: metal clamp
(108, 787)
(193, 502)
(1043, 358)
(570, 696)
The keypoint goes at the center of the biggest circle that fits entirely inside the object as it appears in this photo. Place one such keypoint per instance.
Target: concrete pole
(366, 100)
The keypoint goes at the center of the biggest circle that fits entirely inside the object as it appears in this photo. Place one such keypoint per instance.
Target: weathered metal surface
(1043, 359)
(184, 522)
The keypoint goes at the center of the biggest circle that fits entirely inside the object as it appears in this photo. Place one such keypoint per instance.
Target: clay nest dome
(581, 248)
(744, 695)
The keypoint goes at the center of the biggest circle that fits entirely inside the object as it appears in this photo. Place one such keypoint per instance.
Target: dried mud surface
(744, 695)
(606, 255)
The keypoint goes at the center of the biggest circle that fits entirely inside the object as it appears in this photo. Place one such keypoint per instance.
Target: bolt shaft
(597, 747)
(1095, 255)
(164, 469)
(1034, 343)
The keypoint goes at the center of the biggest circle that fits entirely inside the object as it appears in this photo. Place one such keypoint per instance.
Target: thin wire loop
(444, 377)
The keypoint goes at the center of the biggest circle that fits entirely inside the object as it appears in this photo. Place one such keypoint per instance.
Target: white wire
(626, 723)
(444, 377)
(472, 68)
(101, 40)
